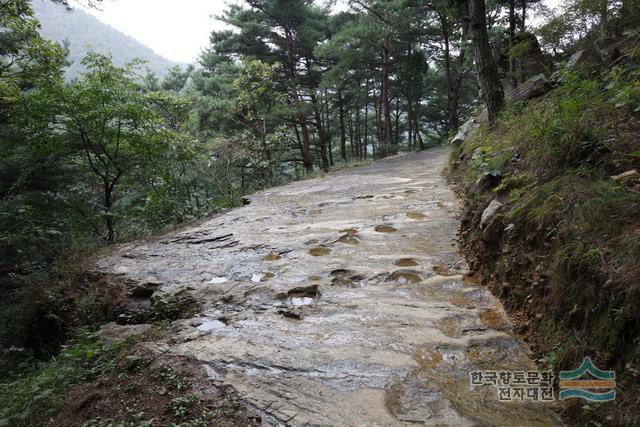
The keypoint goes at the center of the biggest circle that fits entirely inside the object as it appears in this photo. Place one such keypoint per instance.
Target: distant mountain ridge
(87, 33)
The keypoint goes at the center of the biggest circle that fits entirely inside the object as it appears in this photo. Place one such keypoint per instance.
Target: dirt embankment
(551, 224)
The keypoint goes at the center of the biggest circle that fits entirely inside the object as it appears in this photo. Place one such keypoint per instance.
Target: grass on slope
(571, 263)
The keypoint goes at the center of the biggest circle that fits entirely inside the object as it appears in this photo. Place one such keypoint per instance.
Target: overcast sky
(175, 29)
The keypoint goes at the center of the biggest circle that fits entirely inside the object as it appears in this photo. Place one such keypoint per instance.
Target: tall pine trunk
(322, 133)
(486, 69)
(343, 135)
(305, 146)
(512, 36)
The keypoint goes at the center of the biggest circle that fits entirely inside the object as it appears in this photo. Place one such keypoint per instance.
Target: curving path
(339, 301)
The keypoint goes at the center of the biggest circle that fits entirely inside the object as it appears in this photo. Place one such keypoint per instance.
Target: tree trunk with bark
(343, 134)
(486, 69)
(384, 95)
(305, 147)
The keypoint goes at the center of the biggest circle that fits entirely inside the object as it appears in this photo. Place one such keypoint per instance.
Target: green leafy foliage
(38, 394)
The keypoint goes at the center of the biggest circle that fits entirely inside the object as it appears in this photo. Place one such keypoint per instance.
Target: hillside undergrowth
(563, 250)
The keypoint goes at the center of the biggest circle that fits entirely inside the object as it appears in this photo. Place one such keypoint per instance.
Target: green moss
(173, 307)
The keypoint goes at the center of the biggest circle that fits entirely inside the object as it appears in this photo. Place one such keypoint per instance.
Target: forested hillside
(86, 33)
(294, 89)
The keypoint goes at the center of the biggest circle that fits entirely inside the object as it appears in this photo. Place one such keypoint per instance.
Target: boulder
(143, 288)
(532, 88)
(488, 180)
(483, 117)
(469, 126)
(490, 212)
(464, 131)
(586, 60)
(529, 58)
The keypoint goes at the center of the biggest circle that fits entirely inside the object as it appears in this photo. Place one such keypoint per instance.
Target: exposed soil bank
(551, 224)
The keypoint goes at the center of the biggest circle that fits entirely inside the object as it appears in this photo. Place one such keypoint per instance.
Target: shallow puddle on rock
(406, 262)
(211, 325)
(350, 239)
(385, 229)
(272, 257)
(304, 292)
(416, 215)
(344, 282)
(349, 231)
(319, 251)
(300, 301)
(314, 278)
(405, 276)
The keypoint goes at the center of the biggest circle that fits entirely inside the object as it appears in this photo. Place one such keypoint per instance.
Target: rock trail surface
(338, 301)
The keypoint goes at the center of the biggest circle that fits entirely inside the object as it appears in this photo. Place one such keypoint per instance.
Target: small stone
(490, 212)
(626, 176)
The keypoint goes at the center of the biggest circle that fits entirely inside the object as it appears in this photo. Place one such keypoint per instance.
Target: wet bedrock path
(339, 301)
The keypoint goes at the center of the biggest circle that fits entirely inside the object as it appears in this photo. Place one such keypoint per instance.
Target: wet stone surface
(339, 301)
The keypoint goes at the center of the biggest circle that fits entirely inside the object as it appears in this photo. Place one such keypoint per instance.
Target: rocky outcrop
(469, 127)
(532, 88)
(341, 302)
(490, 213)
